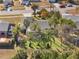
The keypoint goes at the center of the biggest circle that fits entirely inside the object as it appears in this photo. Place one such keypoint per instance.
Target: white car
(69, 5)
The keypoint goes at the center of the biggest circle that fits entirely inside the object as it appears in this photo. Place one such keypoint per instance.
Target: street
(14, 12)
(63, 11)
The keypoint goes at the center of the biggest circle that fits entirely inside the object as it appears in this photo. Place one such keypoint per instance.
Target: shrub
(21, 55)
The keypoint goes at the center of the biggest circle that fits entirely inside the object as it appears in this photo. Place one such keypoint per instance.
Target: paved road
(75, 18)
(15, 12)
(27, 10)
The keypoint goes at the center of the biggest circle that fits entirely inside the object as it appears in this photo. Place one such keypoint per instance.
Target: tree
(22, 54)
(44, 13)
(57, 22)
(35, 27)
(16, 31)
(1, 1)
(45, 54)
(34, 7)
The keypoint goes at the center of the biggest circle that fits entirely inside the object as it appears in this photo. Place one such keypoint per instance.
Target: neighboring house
(75, 18)
(5, 29)
(43, 25)
(6, 38)
(7, 1)
(25, 23)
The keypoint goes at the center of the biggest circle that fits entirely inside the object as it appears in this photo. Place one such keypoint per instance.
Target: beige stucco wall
(16, 2)
(1, 7)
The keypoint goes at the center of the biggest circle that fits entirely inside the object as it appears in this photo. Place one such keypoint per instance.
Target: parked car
(69, 5)
(62, 6)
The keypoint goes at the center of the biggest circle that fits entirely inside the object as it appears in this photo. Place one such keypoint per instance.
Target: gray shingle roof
(4, 26)
(72, 17)
(43, 24)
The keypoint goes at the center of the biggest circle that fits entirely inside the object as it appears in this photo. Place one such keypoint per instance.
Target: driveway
(7, 53)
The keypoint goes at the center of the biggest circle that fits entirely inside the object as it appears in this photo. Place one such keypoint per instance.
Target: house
(43, 25)
(25, 2)
(8, 3)
(6, 34)
(5, 29)
(75, 18)
(25, 23)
